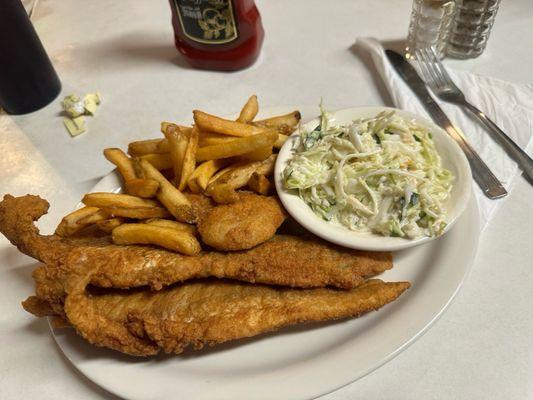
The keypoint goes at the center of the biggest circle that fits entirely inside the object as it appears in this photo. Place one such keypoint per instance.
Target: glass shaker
(431, 21)
(471, 29)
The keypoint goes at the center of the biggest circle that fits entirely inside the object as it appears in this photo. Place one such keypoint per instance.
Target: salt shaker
(431, 21)
(471, 29)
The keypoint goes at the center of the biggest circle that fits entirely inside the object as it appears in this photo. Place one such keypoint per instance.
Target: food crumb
(76, 109)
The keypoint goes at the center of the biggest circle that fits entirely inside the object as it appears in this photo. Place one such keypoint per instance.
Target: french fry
(167, 223)
(238, 175)
(281, 140)
(168, 238)
(249, 110)
(200, 177)
(210, 138)
(260, 184)
(189, 160)
(169, 195)
(152, 146)
(122, 162)
(99, 215)
(134, 186)
(145, 188)
(159, 161)
(193, 186)
(137, 213)
(284, 124)
(222, 190)
(125, 205)
(69, 225)
(177, 140)
(257, 155)
(223, 172)
(223, 193)
(107, 225)
(185, 129)
(267, 166)
(210, 123)
(237, 147)
(117, 200)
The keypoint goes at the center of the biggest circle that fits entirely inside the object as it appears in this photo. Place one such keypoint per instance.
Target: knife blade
(489, 184)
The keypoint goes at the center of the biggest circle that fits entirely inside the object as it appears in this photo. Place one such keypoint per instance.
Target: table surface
(481, 348)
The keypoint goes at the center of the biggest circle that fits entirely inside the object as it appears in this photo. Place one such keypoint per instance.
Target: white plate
(302, 362)
(452, 157)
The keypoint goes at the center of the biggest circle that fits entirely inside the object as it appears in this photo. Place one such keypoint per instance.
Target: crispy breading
(210, 312)
(38, 307)
(140, 308)
(17, 216)
(242, 225)
(201, 204)
(285, 260)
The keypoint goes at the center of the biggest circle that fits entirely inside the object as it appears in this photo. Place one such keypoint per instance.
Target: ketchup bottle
(221, 35)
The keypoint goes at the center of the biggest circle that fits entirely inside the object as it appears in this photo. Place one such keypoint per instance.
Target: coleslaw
(381, 175)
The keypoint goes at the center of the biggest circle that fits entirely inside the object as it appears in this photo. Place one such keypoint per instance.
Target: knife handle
(489, 184)
(520, 156)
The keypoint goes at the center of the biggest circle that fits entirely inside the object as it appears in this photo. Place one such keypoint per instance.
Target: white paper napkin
(509, 105)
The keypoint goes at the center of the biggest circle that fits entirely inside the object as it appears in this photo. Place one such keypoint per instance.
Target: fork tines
(432, 70)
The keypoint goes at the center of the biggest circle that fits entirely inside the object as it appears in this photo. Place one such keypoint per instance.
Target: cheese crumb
(76, 109)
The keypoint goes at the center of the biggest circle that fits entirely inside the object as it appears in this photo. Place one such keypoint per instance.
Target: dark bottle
(28, 80)
(221, 35)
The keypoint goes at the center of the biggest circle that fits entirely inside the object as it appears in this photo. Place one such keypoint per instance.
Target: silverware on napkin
(437, 78)
(489, 184)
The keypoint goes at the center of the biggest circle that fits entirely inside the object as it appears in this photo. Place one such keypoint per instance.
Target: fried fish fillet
(143, 321)
(284, 260)
(210, 312)
(201, 204)
(242, 225)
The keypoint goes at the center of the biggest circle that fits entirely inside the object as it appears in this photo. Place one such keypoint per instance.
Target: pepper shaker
(471, 29)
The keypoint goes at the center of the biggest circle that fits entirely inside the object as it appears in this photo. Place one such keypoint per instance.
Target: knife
(489, 184)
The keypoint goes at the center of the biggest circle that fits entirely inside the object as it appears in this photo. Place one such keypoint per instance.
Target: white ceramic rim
(432, 292)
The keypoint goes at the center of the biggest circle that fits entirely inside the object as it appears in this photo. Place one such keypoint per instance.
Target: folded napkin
(509, 105)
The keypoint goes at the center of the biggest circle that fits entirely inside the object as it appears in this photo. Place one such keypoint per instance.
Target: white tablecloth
(481, 348)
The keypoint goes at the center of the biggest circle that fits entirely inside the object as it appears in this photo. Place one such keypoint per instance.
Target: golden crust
(242, 225)
(210, 312)
(156, 316)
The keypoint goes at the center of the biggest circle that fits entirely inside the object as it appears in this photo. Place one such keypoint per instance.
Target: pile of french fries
(214, 156)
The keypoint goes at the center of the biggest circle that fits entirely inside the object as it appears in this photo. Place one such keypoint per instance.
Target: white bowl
(452, 159)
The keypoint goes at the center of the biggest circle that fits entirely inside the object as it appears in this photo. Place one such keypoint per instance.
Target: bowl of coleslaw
(373, 178)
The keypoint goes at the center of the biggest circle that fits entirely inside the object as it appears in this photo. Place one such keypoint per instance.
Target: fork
(441, 84)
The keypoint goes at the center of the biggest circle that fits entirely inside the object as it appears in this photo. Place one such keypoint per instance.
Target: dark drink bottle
(221, 35)
(28, 80)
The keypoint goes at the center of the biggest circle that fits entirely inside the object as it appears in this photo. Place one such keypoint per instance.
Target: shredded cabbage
(380, 175)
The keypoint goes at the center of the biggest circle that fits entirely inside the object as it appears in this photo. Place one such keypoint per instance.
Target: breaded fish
(242, 225)
(201, 204)
(210, 312)
(283, 260)
(143, 321)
